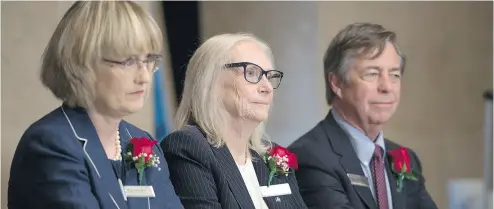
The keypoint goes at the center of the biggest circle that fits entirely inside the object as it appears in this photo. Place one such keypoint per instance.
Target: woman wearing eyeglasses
(216, 158)
(99, 63)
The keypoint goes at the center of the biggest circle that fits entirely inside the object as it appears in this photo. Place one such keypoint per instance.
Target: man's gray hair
(356, 41)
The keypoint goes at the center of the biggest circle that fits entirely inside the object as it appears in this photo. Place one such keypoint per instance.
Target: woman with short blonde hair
(99, 63)
(216, 155)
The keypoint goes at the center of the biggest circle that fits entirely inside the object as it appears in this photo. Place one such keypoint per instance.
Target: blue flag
(160, 110)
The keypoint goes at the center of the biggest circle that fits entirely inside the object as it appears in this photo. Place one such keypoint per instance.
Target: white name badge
(139, 191)
(276, 190)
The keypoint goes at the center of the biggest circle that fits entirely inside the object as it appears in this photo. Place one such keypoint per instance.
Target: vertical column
(182, 30)
(488, 158)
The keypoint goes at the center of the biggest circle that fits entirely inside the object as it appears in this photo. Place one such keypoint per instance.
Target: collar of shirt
(362, 144)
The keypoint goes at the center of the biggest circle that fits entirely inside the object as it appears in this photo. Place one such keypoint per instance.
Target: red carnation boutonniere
(140, 153)
(280, 161)
(400, 165)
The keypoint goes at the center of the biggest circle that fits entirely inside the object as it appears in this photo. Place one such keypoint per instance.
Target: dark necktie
(378, 170)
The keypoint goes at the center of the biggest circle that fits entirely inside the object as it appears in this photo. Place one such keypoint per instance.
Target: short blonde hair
(200, 100)
(88, 32)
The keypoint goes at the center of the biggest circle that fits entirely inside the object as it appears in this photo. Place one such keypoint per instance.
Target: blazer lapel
(130, 175)
(261, 168)
(262, 173)
(233, 176)
(342, 146)
(126, 135)
(99, 163)
(398, 198)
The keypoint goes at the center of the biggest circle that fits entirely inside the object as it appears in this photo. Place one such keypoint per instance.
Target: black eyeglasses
(151, 62)
(253, 73)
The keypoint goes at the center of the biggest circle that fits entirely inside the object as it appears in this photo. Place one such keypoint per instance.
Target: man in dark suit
(345, 161)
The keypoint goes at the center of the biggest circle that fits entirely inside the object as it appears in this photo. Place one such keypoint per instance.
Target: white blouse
(252, 183)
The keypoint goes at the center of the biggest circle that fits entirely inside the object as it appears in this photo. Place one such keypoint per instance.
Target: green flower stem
(140, 168)
(271, 175)
(141, 174)
(399, 182)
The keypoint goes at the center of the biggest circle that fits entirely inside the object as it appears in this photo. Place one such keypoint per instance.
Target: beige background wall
(26, 29)
(449, 47)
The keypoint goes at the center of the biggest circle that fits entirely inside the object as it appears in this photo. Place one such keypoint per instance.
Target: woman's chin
(258, 116)
(133, 107)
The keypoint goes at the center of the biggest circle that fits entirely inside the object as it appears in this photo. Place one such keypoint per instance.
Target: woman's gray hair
(201, 102)
(88, 32)
(355, 41)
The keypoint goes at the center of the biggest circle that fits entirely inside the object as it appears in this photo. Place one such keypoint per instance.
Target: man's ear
(335, 83)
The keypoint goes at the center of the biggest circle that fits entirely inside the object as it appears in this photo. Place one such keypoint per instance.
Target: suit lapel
(398, 199)
(99, 163)
(262, 172)
(126, 135)
(342, 146)
(131, 176)
(233, 176)
(261, 168)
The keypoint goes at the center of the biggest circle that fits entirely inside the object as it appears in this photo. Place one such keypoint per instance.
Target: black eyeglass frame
(263, 72)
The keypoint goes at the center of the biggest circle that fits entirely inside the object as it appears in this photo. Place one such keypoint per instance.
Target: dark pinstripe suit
(207, 177)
